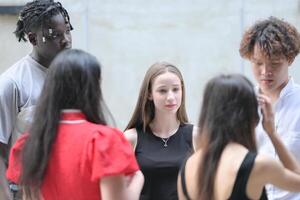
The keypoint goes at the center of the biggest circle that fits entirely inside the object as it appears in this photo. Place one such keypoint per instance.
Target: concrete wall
(201, 37)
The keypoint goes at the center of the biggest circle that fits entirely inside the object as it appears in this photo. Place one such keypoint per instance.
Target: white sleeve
(9, 107)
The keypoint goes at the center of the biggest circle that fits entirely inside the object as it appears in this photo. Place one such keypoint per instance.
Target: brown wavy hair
(275, 37)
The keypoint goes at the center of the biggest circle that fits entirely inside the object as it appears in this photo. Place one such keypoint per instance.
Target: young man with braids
(271, 46)
(46, 25)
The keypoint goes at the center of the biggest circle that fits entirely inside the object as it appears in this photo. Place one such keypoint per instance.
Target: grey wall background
(201, 37)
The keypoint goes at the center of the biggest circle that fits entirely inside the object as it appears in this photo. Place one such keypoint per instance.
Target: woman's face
(166, 93)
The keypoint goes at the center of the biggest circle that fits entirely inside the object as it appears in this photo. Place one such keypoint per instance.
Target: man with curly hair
(271, 46)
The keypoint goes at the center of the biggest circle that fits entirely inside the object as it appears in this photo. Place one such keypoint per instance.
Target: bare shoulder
(188, 178)
(191, 171)
(194, 160)
(131, 136)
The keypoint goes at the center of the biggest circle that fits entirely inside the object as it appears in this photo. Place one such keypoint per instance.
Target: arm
(179, 189)
(195, 138)
(285, 156)
(4, 189)
(273, 172)
(121, 188)
(9, 108)
(131, 136)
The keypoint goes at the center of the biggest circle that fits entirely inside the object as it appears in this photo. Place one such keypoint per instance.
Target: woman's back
(82, 154)
(223, 166)
(233, 157)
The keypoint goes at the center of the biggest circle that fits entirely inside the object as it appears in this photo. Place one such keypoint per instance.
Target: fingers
(265, 103)
(262, 99)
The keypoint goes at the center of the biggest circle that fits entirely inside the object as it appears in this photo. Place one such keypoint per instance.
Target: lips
(266, 81)
(171, 105)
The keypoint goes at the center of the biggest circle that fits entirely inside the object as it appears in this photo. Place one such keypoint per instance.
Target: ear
(291, 61)
(32, 38)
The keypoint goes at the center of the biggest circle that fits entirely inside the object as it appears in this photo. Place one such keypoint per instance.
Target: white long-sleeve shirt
(287, 122)
(20, 87)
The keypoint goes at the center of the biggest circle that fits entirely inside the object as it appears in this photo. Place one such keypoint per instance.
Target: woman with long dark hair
(70, 152)
(226, 165)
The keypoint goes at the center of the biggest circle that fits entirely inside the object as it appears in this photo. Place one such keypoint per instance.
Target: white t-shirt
(20, 87)
(287, 122)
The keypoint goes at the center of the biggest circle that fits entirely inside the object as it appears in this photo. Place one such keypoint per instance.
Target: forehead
(260, 54)
(57, 22)
(166, 78)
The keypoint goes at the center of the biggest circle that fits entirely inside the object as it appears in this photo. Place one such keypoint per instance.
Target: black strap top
(239, 188)
(160, 161)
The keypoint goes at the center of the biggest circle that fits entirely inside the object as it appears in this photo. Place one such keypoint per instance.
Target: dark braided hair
(36, 13)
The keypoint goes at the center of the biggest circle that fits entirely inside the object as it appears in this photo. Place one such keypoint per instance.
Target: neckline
(164, 141)
(72, 116)
(42, 67)
(163, 138)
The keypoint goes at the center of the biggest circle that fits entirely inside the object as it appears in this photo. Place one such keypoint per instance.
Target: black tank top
(160, 164)
(240, 184)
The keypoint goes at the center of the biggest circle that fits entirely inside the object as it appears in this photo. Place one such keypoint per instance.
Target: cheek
(256, 72)
(156, 98)
(179, 97)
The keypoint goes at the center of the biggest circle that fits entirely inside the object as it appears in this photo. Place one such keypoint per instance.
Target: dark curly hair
(36, 14)
(275, 37)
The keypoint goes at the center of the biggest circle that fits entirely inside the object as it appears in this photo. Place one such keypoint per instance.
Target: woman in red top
(70, 153)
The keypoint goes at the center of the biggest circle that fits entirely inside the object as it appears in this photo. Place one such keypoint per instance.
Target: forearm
(122, 187)
(287, 159)
(4, 153)
(135, 186)
(4, 189)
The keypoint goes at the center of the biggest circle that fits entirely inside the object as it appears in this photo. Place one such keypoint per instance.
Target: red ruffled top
(81, 155)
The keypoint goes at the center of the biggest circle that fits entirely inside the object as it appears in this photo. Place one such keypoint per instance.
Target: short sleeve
(108, 153)
(14, 164)
(8, 107)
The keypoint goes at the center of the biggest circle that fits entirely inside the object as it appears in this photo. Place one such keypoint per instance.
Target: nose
(266, 70)
(66, 41)
(170, 96)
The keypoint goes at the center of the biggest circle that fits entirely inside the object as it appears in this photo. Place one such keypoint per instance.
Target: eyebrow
(256, 59)
(271, 60)
(162, 86)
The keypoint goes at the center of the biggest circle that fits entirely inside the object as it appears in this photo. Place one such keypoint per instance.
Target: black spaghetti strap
(239, 188)
(183, 183)
(240, 185)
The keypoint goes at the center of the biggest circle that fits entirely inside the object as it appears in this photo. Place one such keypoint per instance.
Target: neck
(40, 59)
(164, 125)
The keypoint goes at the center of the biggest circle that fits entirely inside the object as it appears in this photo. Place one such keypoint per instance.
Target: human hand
(267, 113)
